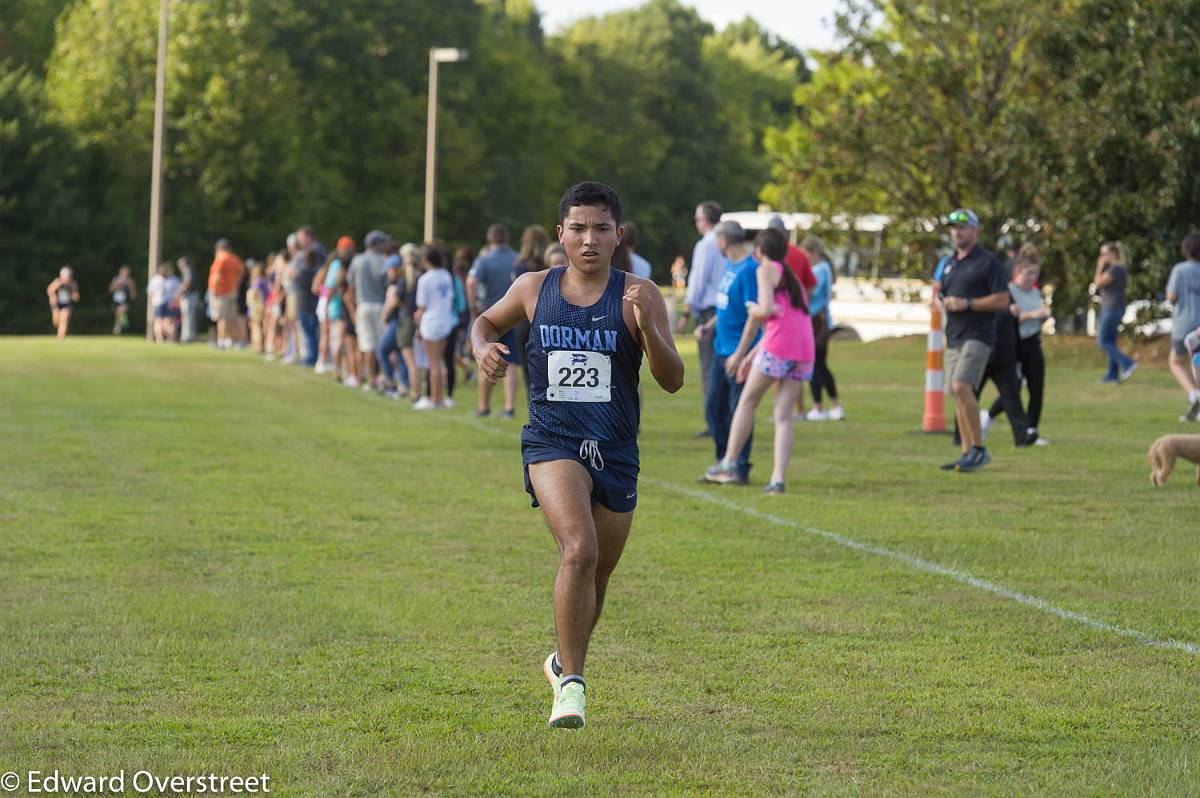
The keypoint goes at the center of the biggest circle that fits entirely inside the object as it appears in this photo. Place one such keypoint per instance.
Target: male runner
(590, 324)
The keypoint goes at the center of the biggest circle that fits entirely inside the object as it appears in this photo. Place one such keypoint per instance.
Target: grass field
(213, 564)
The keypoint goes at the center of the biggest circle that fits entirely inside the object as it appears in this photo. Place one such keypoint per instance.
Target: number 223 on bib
(578, 376)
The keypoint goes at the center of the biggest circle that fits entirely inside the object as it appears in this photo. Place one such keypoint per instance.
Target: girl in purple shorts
(784, 357)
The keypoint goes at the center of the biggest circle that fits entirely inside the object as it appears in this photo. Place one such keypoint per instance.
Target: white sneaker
(1041, 442)
(320, 368)
(816, 415)
(447, 403)
(837, 413)
(424, 403)
(288, 360)
(985, 424)
(351, 382)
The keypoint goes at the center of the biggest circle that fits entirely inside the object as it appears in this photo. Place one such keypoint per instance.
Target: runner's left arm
(650, 313)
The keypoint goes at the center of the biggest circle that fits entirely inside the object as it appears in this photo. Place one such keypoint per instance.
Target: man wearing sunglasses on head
(973, 287)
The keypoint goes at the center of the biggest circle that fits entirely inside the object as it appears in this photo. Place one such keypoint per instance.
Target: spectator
(189, 301)
(1029, 312)
(738, 287)
(703, 283)
(534, 241)
(324, 285)
(242, 328)
(306, 238)
(783, 358)
(123, 290)
(1111, 280)
(304, 274)
(256, 300)
(633, 236)
(1183, 292)
(276, 316)
(163, 294)
(393, 300)
(223, 277)
(974, 289)
(1002, 370)
(436, 320)
(555, 256)
(677, 307)
(351, 349)
(297, 258)
(822, 321)
(368, 277)
(64, 294)
(797, 258)
(410, 256)
(456, 351)
(489, 279)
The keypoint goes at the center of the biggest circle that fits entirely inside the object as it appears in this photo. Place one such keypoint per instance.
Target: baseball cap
(964, 217)
(345, 242)
(377, 237)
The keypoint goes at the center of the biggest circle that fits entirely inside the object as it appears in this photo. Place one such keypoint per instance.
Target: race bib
(578, 376)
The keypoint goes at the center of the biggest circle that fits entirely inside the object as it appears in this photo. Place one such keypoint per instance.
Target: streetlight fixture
(437, 55)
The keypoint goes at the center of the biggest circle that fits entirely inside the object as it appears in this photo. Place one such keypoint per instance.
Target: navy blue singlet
(560, 326)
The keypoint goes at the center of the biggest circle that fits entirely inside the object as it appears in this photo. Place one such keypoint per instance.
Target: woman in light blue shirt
(818, 303)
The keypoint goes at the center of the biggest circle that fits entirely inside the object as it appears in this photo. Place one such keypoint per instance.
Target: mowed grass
(213, 564)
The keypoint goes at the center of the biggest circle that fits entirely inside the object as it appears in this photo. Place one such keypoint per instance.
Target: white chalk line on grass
(928, 566)
(910, 560)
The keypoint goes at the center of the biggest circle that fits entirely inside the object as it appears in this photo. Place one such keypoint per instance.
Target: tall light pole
(437, 55)
(160, 85)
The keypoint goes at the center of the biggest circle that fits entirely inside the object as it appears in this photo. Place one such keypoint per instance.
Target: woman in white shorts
(436, 321)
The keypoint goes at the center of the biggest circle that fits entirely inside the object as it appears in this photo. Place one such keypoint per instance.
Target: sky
(808, 24)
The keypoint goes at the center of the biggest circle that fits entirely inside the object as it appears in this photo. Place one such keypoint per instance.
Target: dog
(1165, 450)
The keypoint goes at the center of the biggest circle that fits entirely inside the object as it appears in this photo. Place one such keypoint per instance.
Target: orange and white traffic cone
(934, 419)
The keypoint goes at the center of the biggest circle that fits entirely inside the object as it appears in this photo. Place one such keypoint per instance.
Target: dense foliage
(285, 112)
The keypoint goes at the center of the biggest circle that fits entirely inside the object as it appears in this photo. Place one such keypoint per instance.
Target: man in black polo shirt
(973, 289)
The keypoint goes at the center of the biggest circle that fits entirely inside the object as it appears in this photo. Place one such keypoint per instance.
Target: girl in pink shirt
(783, 357)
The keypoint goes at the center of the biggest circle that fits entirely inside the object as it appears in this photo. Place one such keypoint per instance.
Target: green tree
(45, 208)
(1124, 119)
(652, 116)
(927, 107)
(27, 32)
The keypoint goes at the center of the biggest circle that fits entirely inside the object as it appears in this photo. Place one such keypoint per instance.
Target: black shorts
(62, 305)
(614, 472)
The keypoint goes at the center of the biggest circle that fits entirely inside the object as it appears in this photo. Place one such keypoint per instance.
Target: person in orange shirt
(223, 278)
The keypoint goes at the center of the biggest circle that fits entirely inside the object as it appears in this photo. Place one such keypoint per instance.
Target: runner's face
(589, 235)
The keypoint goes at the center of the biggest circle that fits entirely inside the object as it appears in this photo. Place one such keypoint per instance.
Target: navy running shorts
(613, 467)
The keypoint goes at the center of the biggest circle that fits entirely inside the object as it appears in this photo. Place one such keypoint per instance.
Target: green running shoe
(568, 707)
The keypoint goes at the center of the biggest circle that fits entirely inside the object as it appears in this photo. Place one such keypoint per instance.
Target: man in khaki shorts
(973, 287)
(368, 276)
(223, 278)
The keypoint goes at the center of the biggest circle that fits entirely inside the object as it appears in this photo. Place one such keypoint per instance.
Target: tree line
(1063, 122)
(289, 112)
